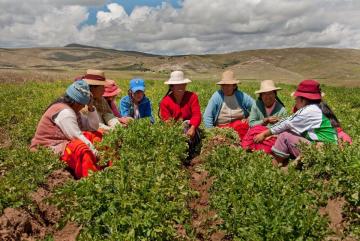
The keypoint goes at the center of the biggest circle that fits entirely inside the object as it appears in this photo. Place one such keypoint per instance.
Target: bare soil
(24, 224)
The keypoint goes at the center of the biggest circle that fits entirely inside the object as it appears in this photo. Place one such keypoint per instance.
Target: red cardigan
(189, 109)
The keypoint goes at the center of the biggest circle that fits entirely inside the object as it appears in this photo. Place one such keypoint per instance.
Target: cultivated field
(225, 194)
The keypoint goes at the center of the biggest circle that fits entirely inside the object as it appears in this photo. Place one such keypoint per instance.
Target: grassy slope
(331, 66)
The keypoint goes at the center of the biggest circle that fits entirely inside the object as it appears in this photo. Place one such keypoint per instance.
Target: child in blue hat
(136, 105)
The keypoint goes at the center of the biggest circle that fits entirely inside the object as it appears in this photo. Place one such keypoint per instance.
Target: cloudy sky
(181, 26)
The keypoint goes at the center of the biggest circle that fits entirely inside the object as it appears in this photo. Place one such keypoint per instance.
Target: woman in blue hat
(136, 105)
(67, 132)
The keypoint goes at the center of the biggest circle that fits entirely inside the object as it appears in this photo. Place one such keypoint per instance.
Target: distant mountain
(285, 65)
(75, 45)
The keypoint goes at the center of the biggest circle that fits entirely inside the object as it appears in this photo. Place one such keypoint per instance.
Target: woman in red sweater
(181, 105)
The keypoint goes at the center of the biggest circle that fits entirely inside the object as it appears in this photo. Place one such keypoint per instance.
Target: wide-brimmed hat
(95, 77)
(309, 89)
(111, 89)
(228, 78)
(79, 91)
(177, 78)
(267, 86)
(137, 84)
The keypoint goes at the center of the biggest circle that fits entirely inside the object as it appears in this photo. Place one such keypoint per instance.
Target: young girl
(313, 122)
(136, 105)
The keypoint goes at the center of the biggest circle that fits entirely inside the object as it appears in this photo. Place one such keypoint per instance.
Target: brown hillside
(331, 66)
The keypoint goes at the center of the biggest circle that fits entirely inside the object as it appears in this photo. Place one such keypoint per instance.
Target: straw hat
(309, 89)
(267, 86)
(95, 77)
(228, 78)
(177, 78)
(111, 89)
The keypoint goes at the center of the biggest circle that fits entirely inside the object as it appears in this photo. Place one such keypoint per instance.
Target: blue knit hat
(79, 91)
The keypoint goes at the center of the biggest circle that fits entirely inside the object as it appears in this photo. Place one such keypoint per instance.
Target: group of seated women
(72, 123)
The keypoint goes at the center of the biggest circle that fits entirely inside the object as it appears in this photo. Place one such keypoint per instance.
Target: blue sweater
(216, 101)
(126, 108)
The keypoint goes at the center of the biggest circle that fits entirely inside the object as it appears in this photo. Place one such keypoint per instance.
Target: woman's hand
(273, 119)
(191, 132)
(91, 107)
(261, 137)
(245, 121)
(125, 120)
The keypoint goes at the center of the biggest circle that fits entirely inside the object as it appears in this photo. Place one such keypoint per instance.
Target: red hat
(111, 89)
(309, 89)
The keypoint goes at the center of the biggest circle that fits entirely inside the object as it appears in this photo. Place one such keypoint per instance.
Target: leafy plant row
(143, 196)
(260, 202)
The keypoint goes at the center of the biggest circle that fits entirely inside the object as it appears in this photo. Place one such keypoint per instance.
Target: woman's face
(299, 102)
(178, 91)
(178, 88)
(77, 107)
(268, 98)
(138, 96)
(228, 89)
(97, 90)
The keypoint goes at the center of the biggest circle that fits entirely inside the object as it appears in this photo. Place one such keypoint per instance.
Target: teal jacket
(258, 113)
(213, 108)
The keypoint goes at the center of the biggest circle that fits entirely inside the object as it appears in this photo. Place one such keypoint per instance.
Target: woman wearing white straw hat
(267, 110)
(229, 107)
(179, 104)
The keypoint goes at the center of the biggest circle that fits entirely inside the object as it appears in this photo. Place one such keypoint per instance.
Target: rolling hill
(330, 66)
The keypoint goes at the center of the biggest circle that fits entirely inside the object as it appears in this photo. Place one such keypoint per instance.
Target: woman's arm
(66, 120)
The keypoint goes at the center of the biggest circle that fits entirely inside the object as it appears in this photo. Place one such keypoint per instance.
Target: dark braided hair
(167, 93)
(326, 110)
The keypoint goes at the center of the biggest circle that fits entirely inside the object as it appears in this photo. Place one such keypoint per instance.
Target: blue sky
(128, 5)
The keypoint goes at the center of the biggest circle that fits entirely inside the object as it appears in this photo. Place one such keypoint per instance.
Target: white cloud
(197, 27)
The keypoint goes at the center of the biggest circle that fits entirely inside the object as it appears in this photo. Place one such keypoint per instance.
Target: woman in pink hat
(110, 93)
(313, 122)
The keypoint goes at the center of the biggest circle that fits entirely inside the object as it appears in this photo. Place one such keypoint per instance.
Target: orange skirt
(79, 157)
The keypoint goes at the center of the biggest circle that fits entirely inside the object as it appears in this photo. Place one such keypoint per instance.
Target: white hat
(267, 86)
(177, 78)
(228, 78)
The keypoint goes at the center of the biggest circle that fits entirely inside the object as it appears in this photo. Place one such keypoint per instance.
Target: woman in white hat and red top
(97, 81)
(181, 105)
(68, 133)
(313, 122)
(268, 110)
(229, 107)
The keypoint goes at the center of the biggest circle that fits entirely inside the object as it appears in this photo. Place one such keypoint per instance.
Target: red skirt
(239, 126)
(79, 157)
(249, 144)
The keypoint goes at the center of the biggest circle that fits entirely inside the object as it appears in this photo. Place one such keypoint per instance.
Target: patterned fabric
(79, 157)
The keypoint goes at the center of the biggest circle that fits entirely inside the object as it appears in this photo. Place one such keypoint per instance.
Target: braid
(167, 93)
